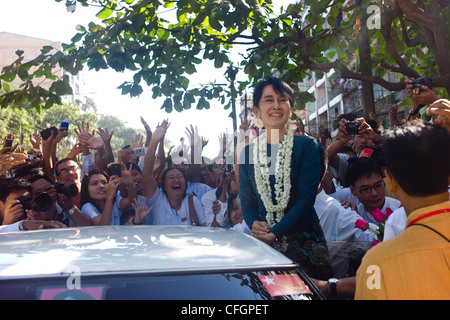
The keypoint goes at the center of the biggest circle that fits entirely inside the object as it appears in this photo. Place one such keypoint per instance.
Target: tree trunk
(366, 69)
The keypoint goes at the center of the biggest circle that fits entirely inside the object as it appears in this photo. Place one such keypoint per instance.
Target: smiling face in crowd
(69, 172)
(174, 184)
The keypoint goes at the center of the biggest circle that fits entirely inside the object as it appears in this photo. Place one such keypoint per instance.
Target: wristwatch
(71, 211)
(333, 282)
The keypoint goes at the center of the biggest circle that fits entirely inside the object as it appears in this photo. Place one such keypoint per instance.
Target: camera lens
(41, 202)
(71, 190)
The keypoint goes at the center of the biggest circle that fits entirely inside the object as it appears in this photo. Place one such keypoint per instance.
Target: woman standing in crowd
(171, 205)
(279, 174)
(98, 198)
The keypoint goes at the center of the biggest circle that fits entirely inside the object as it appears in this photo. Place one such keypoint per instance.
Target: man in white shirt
(338, 224)
(366, 183)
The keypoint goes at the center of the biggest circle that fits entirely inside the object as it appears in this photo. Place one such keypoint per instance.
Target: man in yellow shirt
(415, 264)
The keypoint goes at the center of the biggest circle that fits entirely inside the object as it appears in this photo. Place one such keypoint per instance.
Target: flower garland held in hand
(275, 212)
(379, 217)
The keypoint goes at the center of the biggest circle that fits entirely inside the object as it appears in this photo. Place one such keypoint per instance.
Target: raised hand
(139, 210)
(105, 134)
(160, 130)
(441, 108)
(36, 140)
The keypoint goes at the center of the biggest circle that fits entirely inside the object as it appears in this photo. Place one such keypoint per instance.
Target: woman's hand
(261, 231)
(139, 209)
(113, 184)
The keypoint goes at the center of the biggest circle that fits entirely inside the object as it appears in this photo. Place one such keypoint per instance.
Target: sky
(48, 19)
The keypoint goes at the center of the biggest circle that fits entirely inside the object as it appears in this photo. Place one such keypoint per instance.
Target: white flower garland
(275, 212)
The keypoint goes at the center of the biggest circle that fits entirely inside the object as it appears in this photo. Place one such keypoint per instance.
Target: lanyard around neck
(434, 213)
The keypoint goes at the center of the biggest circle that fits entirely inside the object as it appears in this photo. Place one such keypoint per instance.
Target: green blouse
(305, 173)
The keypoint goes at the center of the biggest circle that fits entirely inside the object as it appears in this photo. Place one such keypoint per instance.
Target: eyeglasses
(365, 190)
(67, 170)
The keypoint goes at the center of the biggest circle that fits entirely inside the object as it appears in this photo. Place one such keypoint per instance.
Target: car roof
(109, 250)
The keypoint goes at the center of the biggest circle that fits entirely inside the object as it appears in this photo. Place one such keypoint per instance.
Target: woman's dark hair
(278, 85)
(230, 200)
(163, 179)
(84, 192)
(418, 156)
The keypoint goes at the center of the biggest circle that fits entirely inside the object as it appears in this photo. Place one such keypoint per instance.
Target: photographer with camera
(18, 204)
(61, 208)
(11, 191)
(365, 133)
(421, 93)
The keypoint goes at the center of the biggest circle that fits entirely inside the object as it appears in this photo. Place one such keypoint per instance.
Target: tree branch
(387, 15)
(410, 42)
(345, 72)
(435, 30)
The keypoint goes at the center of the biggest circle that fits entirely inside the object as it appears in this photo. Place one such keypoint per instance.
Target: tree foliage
(23, 120)
(163, 41)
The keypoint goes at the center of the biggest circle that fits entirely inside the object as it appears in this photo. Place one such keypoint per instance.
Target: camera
(31, 158)
(71, 190)
(41, 202)
(352, 127)
(45, 134)
(418, 83)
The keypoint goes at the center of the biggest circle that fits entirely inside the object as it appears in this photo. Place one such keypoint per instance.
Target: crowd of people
(284, 187)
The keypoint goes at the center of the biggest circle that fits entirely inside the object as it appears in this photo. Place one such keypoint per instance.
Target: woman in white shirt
(98, 198)
(170, 203)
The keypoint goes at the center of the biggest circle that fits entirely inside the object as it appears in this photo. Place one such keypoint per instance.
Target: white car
(146, 262)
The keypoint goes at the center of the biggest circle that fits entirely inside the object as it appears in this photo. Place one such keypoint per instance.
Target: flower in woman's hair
(361, 224)
(258, 122)
(378, 215)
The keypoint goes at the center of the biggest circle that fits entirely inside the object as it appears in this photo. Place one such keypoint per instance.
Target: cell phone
(137, 152)
(65, 125)
(8, 143)
(114, 169)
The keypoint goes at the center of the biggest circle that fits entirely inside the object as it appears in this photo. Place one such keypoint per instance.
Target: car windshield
(263, 285)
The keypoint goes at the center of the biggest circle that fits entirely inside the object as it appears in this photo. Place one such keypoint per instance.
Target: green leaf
(6, 86)
(23, 74)
(167, 105)
(105, 13)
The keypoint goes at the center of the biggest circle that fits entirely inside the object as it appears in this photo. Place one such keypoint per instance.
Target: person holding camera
(60, 196)
(421, 93)
(12, 191)
(365, 133)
